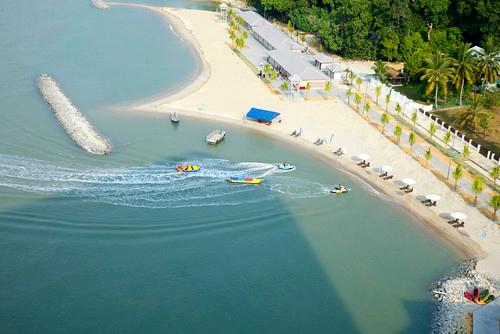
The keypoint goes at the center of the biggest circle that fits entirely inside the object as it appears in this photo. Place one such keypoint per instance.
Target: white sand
(232, 89)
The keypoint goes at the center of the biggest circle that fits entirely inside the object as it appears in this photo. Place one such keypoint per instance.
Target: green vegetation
(457, 175)
(384, 118)
(494, 204)
(477, 187)
(398, 131)
(401, 30)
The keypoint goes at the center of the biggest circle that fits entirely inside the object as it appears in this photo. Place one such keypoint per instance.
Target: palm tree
(357, 100)
(414, 117)
(240, 43)
(274, 75)
(495, 173)
(398, 108)
(471, 117)
(348, 94)
(328, 86)
(432, 129)
(381, 70)
(428, 154)
(387, 101)
(367, 106)
(489, 62)
(477, 187)
(484, 121)
(465, 66)
(284, 86)
(378, 91)
(398, 131)
(384, 119)
(411, 139)
(350, 76)
(494, 203)
(437, 72)
(457, 175)
(359, 81)
(465, 152)
(232, 36)
(267, 69)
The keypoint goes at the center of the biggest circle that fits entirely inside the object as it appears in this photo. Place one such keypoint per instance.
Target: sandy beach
(226, 89)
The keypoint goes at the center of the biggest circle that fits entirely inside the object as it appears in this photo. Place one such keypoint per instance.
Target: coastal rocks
(101, 4)
(75, 124)
(451, 306)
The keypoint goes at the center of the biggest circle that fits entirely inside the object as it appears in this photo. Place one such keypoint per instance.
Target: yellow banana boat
(187, 168)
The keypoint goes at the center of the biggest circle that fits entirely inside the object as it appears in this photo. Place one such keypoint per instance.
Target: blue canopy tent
(261, 115)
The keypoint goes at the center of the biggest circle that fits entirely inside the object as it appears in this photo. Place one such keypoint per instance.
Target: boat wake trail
(154, 186)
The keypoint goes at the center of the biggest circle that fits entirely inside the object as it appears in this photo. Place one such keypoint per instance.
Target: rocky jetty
(451, 306)
(75, 124)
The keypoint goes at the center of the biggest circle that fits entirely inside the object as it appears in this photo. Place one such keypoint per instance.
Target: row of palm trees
(477, 186)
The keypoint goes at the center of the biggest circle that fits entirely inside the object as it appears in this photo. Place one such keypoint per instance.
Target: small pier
(101, 4)
(75, 124)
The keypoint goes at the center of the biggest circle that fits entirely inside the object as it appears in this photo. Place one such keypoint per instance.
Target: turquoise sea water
(124, 244)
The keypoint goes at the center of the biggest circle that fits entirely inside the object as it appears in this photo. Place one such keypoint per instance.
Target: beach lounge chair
(384, 174)
(294, 133)
(409, 190)
(459, 224)
(453, 221)
(388, 177)
(431, 203)
(365, 165)
(404, 187)
(425, 201)
(361, 163)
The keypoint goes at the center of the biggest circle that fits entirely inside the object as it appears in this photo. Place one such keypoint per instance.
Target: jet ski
(285, 166)
(339, 189)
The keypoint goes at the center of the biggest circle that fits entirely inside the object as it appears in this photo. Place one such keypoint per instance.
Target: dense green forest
(401, 30)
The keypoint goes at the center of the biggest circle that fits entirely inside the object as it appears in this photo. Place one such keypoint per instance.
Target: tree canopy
(402, 30)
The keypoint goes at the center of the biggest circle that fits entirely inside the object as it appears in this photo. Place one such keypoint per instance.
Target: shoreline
(195, 81)
(465, 246)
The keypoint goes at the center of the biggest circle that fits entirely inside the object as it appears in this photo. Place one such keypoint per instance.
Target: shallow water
(123, 243)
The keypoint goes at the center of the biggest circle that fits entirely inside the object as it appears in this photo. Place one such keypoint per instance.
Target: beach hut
(261, 115)
(322, 61)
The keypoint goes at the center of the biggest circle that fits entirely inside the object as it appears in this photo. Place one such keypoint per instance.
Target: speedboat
(340, 189)
(286, 166)
(187, 168)
(245, 180)
(174, 118)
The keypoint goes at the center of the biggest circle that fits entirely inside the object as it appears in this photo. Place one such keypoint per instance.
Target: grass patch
(489, 140)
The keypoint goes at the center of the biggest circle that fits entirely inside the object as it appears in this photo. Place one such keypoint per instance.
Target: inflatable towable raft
(245, 180)
(187, 168)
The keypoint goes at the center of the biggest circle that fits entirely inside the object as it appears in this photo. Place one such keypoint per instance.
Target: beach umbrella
(385, 168)
(408, 181)
(433, 197)
(458, 215)
(363, 156)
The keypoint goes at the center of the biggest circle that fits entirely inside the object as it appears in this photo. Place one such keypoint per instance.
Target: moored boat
(187, 168)
(174, 118)
(468, 296)
(483, 296)
(245, 180)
